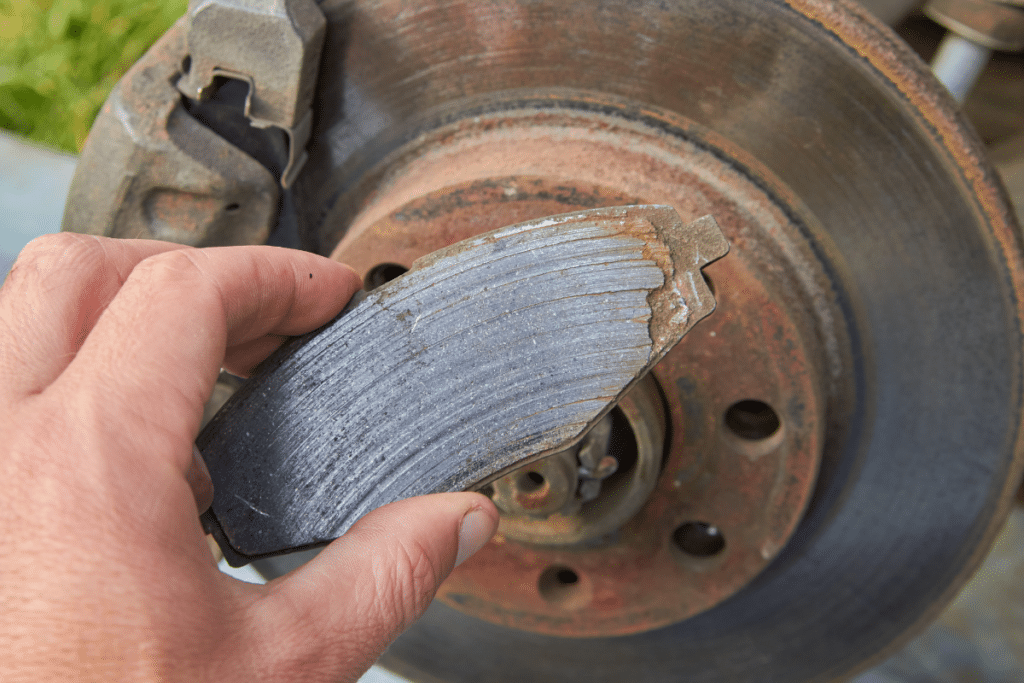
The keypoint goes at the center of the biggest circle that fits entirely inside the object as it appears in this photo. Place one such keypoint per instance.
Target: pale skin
(108, 350)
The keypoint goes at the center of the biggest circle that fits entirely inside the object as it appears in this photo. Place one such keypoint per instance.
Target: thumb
(333, 617)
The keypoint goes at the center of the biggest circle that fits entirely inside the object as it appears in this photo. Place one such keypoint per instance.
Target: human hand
(108, 350)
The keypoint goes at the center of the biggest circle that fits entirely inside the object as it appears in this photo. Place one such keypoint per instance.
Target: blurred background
(60, 58)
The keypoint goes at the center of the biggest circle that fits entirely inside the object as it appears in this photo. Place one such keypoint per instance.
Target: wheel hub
(584, 494)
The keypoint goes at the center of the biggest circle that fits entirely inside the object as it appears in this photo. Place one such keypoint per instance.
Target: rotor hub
(585, 493)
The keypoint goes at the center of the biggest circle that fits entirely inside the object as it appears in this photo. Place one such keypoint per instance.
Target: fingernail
(477, 528)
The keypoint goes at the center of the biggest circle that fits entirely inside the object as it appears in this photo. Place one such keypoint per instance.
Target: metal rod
(958, 64)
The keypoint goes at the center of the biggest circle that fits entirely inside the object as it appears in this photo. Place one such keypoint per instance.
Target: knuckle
(176, 265)
(57, 241)
(62, 251)
(176, 270)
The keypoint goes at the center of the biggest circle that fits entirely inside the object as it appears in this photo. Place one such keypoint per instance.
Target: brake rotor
(816, 468)
(870, 305)
(750, 486)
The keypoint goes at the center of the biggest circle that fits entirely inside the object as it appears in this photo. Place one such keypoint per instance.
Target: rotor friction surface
(491, 352)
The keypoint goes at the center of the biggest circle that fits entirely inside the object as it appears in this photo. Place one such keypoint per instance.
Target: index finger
(53, 296)
(155, 353)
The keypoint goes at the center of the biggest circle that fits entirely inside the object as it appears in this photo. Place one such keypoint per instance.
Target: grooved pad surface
(489, 352)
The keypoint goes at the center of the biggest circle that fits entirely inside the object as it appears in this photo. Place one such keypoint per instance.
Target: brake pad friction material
(487, 354)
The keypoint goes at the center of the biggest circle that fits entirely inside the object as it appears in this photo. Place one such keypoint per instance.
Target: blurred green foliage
(60, 58)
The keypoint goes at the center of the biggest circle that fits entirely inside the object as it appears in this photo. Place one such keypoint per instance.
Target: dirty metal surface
(585, 494)
(897, 242)
(151, 170)
(753, 490)
(994, 24)
(899, 228)
(581, 304)
(271, 46)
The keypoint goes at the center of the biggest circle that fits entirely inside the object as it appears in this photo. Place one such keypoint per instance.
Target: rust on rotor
(583, 494)
(749, 484)
(742, 398)
(809, 132)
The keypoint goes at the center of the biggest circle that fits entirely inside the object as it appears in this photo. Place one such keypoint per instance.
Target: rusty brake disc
(813, 471)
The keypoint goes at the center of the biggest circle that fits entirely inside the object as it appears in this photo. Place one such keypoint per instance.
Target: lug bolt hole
(566, 577)
(752, 420)
(561, 586)
(699, 539)
(530, 482)
(383, 273)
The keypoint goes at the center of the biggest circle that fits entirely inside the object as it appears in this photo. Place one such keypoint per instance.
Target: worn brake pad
(486, 355)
